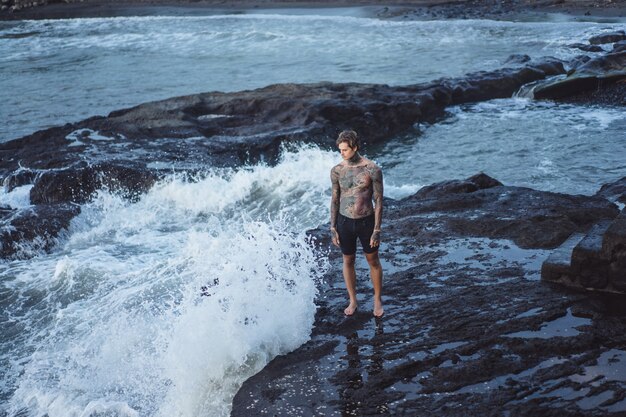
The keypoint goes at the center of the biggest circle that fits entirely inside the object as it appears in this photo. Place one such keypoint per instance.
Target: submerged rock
(19, 178)
(619, 46)
(587, 48)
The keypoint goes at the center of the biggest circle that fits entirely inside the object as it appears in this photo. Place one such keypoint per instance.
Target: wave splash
(164, 307)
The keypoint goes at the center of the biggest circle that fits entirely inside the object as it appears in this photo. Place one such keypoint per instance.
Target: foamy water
(164, 307)
(543, 145)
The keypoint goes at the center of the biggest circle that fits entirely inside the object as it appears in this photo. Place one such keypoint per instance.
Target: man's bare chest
(355, 178)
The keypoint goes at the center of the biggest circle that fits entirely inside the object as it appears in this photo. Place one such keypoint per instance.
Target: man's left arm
(377, 185)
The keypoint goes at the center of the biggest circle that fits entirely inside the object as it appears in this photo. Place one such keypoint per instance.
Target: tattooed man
(356, 181)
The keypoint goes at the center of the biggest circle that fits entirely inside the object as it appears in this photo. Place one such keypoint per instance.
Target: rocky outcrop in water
(615, 191)
(127, 151)
(78, 185)
(228, 129)
(591, 79)
(609, 37)
(26, 232)
(469, 329)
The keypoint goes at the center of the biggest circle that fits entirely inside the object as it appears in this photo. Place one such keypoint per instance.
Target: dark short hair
(350, 137)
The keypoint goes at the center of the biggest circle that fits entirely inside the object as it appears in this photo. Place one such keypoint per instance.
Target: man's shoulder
(371, 165)
(336, 170)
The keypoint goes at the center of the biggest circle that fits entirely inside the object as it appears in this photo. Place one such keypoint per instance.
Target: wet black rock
(71, 162)
(468, 327)
(614, 248)
(614, 191)
(606, 72)
(587, 48)
(619, 46)
(78, 185)
(480, 206)
(19, 178)
(588, 263)
(55, 196)
(610, 37)
(26, 232)
(576, 62)
(477, 182)
(597, 261)
(517, 59)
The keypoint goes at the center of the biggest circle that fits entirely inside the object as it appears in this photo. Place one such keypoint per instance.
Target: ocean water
(164, 307)
(57, 71)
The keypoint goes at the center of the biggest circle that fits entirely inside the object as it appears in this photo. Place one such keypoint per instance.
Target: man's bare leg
(376, 273)
(349, 276)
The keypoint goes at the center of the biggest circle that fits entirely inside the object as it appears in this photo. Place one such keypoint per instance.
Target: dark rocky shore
(469, 328)
(403, 9)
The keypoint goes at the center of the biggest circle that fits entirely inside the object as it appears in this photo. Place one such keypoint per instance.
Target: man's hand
(334, 236)
(375, 239)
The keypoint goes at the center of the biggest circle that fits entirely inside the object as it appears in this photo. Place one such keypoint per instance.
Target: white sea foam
(87, 134)
(398, 192)
(17, 198)
(603, 117)
(165, 306)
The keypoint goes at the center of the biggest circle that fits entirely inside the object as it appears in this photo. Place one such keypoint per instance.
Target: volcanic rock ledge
(595, 260)
(131, 149)
(469, 329)
(601, 79)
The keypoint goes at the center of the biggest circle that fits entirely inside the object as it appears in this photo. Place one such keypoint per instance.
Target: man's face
(346, 151)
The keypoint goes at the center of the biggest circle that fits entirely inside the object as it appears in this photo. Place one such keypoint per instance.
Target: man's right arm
(334, 204)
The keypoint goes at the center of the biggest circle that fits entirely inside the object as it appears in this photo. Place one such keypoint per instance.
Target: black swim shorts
(351, 229)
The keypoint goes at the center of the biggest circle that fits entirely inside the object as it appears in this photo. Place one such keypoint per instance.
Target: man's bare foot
(350, 310)
(378, 309)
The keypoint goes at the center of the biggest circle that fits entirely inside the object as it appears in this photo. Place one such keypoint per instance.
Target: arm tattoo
(377, 185)
(335, 198)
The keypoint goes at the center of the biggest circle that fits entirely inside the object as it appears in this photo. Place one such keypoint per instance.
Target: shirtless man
(355, 182)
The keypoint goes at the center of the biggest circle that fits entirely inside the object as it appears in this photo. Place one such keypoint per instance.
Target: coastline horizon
(404, 10)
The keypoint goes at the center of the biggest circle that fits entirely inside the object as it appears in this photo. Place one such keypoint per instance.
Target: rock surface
(77, 185)
(610, 37)
(615, 191)
(468, 327)
(26, 232)
(596, 262)
(597, 79)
